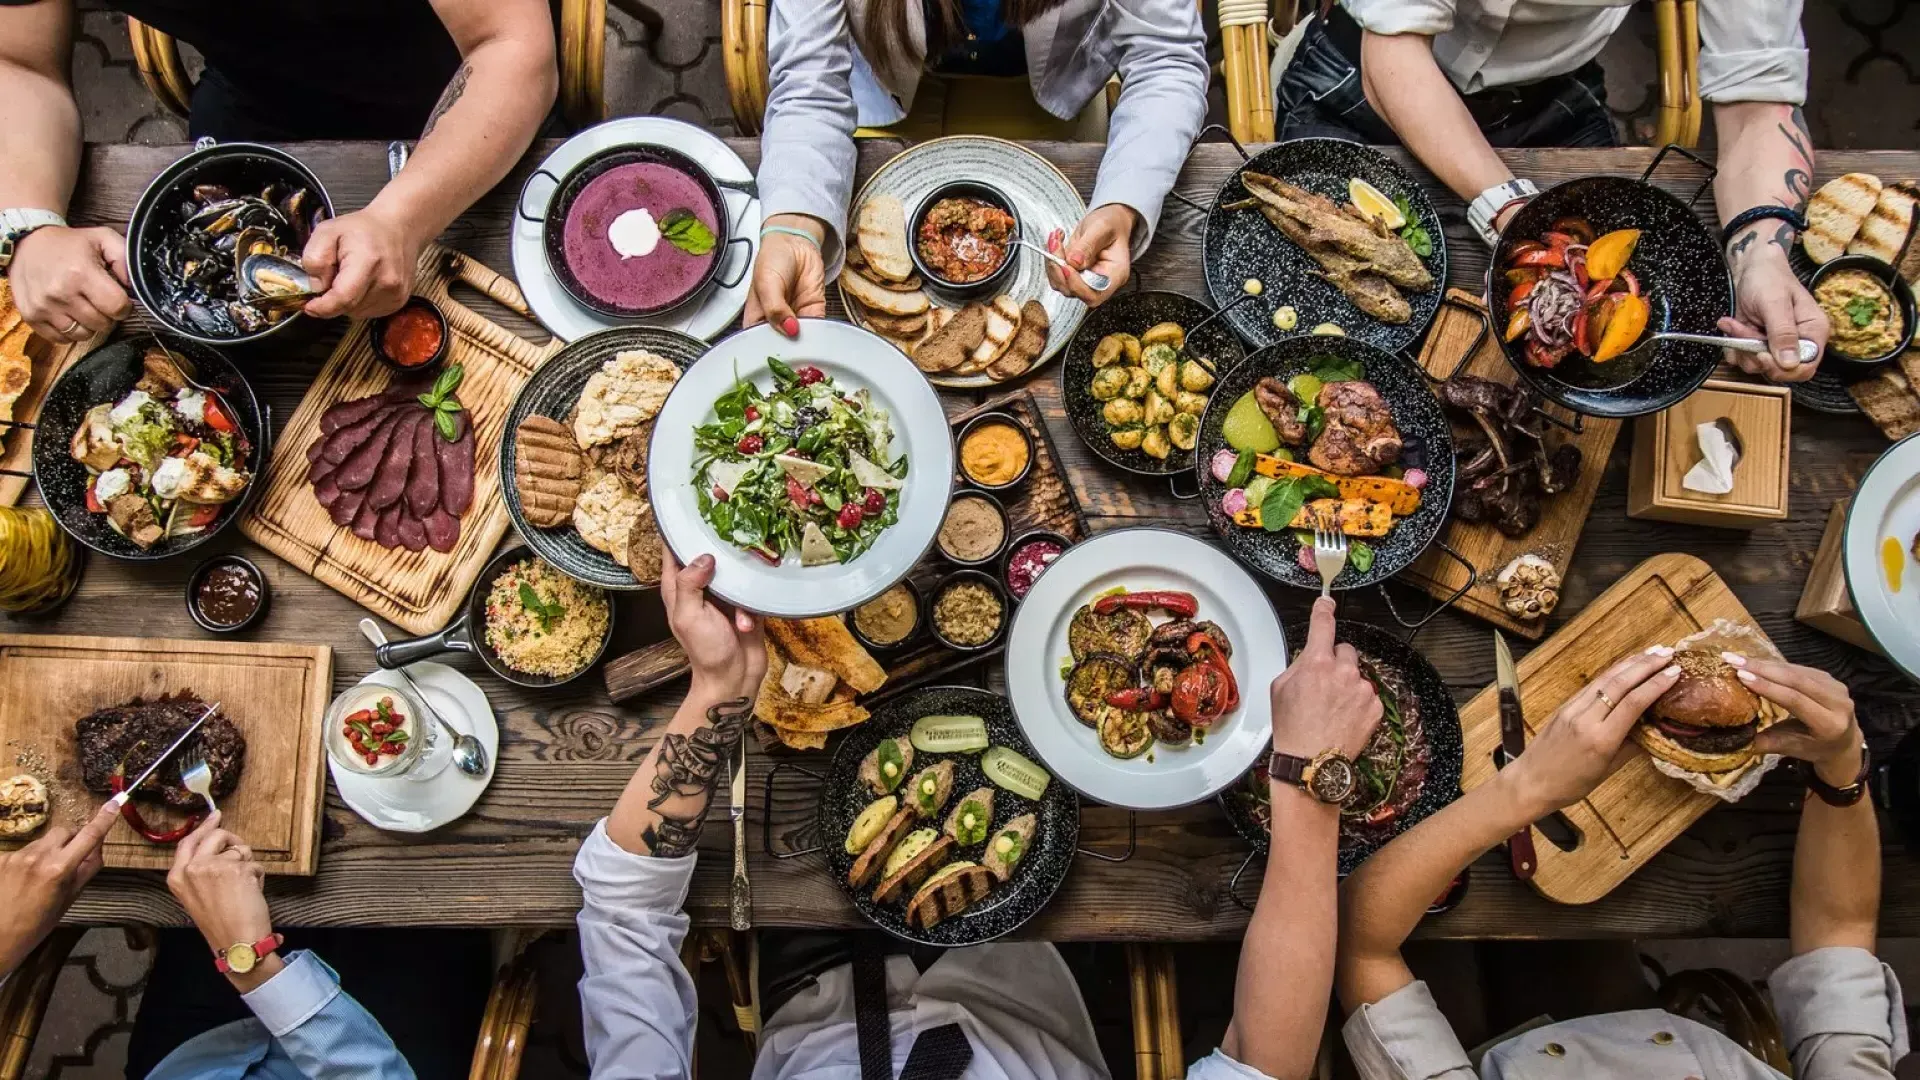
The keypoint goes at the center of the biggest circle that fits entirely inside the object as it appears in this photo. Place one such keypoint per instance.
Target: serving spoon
(1093, 279)
(1808, 348)
(468, 755)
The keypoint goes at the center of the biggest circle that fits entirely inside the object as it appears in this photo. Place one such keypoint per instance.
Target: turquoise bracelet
(788, 230)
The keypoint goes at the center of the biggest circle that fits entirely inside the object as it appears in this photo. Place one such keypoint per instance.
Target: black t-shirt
(280, 70)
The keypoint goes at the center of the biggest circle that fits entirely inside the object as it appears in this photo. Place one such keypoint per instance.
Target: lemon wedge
(1372, 203)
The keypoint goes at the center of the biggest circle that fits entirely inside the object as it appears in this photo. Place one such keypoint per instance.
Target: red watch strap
(262, 949)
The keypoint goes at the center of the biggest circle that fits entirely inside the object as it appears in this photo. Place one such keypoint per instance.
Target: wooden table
(565, 756)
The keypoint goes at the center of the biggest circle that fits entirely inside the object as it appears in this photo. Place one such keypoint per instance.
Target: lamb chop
(1359, 438)
(1281, 409)
(1505, 469)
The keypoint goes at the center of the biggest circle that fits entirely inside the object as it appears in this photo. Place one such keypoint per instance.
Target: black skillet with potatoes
(1011, 882)
(1135, 386)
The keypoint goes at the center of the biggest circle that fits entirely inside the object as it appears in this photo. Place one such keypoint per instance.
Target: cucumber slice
(949, 734)
(869, 823)
(916, 842)
(1014, 772)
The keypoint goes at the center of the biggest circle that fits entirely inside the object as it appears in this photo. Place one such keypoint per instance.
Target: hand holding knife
(126, 793)
(740, 893)
(1513, 741)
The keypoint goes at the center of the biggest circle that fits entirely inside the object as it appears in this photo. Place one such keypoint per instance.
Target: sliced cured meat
(396, 461)
(326, 491)
(313, 450)
(346, 507)
(350, 412)
(423, 480)
(456, 468)
(413, 532)
(341, 444)
(386, 531)
(443, 529)
(364, 521)
(320, 470)
(358, 470)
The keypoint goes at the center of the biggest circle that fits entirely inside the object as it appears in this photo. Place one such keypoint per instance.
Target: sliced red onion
(1306, 560)
(1222, 464)
(1233, 502)
(1415, 478)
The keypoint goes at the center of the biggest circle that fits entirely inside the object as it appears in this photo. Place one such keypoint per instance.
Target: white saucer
(705, 316)
(402, 804)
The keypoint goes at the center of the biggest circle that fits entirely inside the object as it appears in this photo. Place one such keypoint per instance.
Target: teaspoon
(1094, 279)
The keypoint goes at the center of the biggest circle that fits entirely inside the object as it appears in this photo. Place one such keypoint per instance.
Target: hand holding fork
(1329, 556)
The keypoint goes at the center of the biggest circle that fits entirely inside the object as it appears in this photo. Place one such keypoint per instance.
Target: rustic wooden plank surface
(566, 755)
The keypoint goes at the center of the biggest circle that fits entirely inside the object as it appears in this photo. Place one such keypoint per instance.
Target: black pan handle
(1223, 130)
(1174, 488)
(745, 268)
(1485, 316)
(1233, 886)
(766, 820)
(1128, 854)
(745, 187)
(1473, 576)
(1712, 170)
(16, 472)
(520, 204)
(457, 637)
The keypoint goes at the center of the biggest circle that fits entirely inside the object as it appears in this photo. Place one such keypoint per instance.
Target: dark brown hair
(884, 34)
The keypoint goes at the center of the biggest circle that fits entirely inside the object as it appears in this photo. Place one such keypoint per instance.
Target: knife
(1513, 740)
(126, 793)
(739, 896)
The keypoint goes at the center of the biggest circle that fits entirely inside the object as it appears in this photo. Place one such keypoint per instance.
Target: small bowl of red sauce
(227, 594)
(413, 339)
(1028, 557)
(961, 237)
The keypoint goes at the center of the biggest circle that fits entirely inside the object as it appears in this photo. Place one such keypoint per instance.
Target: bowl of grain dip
(975, 530)
(969, 611)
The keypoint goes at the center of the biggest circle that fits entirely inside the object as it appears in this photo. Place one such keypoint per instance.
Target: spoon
(468, 755)
(1808, 348)
(1094, 279)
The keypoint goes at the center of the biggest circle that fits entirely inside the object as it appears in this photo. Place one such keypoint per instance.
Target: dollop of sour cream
(112, 483)
(169, 478)
(634, 233)
(128, 408)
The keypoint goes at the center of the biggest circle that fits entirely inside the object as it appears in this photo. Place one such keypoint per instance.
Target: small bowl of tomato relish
(414, 339)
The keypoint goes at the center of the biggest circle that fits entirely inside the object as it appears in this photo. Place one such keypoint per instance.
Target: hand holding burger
(1585, 741)
(1824, 731)
(1708, 721)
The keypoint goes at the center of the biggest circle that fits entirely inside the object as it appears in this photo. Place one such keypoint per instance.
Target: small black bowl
(1846, 365)
(955, 578)
(200, 574)
(919, 626)
(1018, 542)
(1006, 529)
(377, 333)
(984, 420)
(964, 189)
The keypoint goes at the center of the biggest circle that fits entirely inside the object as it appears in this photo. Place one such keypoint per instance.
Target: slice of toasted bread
(907, 327)
(947, 893)
(1027, 345)
(1889, 400)
(875, 854)
(913, 284)
(884, 301)
(1884, 234)
(880, 229)
(1003, 322)
(916, 871)
(948, 347)
(1836, 212)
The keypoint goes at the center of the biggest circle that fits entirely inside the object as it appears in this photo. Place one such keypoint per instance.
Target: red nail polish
(791, 327)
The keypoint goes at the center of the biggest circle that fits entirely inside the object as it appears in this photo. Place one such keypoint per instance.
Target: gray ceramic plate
(552, 392)
(1042, 194)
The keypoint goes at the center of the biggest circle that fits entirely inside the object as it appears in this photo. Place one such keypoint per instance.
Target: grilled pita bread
(880, 230)
(884, 301)
(1884, 234)
(1836, 212)
(826, 643)
(790, 717)
(949, 347)
(1027, 345)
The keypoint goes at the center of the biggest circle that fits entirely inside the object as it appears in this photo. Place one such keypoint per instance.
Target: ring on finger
(72, 325)
(1602, 695)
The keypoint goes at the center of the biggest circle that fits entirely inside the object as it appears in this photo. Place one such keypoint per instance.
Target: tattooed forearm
(1798, 178)
(687, 768)
(455, 88)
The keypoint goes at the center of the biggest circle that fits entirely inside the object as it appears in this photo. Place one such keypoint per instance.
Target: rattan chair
(23, 1000)
(582, 49)
(1727, 1002)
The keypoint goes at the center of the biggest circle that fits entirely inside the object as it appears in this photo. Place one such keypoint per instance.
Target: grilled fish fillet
(1383, 252)
(1367, 290)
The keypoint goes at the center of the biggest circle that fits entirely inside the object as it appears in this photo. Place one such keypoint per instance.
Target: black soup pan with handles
(467, 633)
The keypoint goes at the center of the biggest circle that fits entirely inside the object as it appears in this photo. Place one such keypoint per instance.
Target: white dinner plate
(1888, 505)
(704, 316)
(405, 803)
(855, 359)
(1142, 559)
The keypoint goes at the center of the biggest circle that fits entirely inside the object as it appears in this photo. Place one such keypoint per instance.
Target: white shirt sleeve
(636, 999)
(1163, 102)
(1752, 50)
(1404, 1036)
(807, 156)
(1841, 1014)
(1429, 17)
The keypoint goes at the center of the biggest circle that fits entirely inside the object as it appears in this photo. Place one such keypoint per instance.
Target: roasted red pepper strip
(1137, 699)
(117, 783)
(1178, 604)
(1206, 651)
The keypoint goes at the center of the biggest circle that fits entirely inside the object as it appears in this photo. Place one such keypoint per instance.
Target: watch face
(1332, 780)
(241, 958)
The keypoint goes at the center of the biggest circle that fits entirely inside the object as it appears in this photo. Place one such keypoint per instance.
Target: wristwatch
(1839, 796)
(1328, 776)
(1486, 207)
(240, 957)
(15, 224)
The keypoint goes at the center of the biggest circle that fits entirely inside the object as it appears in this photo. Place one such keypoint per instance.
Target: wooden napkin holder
(1825, 603)
(1664, 449)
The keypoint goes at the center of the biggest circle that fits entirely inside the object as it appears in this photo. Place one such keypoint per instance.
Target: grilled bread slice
(1027, 345)
(876, 852)
(1835, 214)
(915, 871)
(947, 893)
(950, 346)
(885, 301)
(880, 231)
(1003, 322)
(1884, 234)
(547, 468)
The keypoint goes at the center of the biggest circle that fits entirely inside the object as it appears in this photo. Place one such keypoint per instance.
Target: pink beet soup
(664, 276)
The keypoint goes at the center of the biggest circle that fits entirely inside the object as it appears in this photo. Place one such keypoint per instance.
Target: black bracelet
(1761, 213)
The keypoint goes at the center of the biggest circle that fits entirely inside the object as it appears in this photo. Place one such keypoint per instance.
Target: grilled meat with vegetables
(129, 737)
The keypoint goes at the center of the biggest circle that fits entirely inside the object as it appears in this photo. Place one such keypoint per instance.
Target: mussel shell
(206, 194)
(269, 277)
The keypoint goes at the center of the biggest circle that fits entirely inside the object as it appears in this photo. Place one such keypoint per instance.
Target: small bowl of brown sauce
(969, 611)
(226, 594)
(975, 530)
(996, 451)
(962, 237)
(413, 339)
(890, 621)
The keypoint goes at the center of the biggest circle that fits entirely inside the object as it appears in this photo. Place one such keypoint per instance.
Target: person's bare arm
(1405, 85)
(484, 121)
(1766, 159)
(39, 122)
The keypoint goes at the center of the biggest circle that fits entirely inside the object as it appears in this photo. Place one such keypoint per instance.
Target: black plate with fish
(107, 375)
(552, 391)
(1009, 904)
(1133, 313)
(1681, 271)
(1439, 724)
(1424, 431)
(196, 226)
(1241, 244)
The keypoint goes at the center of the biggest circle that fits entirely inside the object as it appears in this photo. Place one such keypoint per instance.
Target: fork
(1330, 555)
(196, 777)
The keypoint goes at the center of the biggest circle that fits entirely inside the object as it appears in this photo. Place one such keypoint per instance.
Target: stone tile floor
(1863, 95)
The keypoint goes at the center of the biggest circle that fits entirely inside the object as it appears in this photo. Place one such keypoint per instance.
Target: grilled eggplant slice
(867, 866)
(1091, 680)
(950, 891)
(1124, 633)
(1007, 846)
(972, 818)
(914, 871)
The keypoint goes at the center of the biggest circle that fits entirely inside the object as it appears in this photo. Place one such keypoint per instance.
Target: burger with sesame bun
(1707, 720)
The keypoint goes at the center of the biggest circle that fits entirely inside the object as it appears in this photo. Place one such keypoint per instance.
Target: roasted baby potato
(1110, 382)
(1155, 445)
(1168, 381)
(1166, 333)
(1194, 376)
(1138, 379)
(1158, 409)
(1116, 349)
(1190, 402)
(1158, 358)
(1183, 430)
(1127, 438)
(1121, 411)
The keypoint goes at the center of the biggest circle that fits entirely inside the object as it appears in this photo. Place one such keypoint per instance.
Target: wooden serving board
(1044, 501)
(417, 591)
(46, 360)
(276, 693)
(1562, 516)
(1638, 810)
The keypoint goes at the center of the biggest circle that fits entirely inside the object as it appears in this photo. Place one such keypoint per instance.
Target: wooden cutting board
(418, 591)
(1562, 516)
(276, 693)
(47, 360)
(1638, 810)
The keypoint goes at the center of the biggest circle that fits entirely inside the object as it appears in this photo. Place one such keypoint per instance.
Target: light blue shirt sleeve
(636, 999)
(807, 155)
(1163, 101)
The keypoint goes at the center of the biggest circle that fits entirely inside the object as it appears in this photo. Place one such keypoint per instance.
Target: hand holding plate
(727, 652)
(789, 276)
